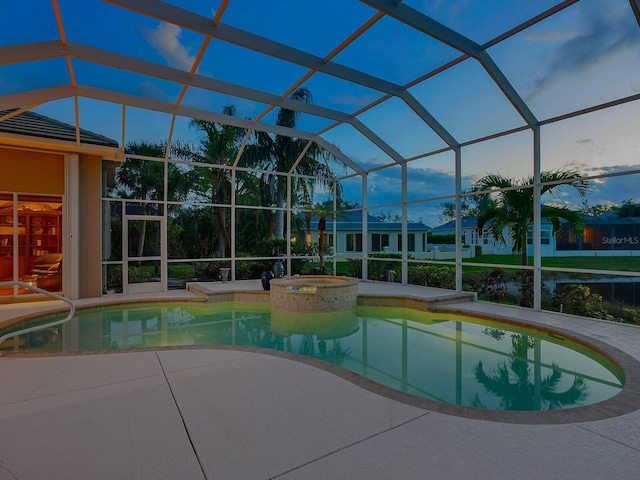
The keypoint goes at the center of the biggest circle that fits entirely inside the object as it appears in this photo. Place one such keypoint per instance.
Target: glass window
(379, 241)
(354, 242)
(31, 232)
(411, 240)
(545, 236)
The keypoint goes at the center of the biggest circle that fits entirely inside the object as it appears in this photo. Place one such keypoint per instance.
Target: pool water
(441, 356)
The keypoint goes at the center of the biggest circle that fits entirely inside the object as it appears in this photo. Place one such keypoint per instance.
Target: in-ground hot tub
(314, 294)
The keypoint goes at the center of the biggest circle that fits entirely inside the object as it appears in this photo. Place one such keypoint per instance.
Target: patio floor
(225, 413)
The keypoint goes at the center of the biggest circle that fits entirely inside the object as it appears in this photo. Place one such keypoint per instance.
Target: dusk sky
(585, 55)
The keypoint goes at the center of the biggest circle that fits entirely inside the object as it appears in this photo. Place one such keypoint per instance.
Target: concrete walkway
(225, 414)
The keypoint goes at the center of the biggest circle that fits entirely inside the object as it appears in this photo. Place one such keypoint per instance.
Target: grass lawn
(625, 264)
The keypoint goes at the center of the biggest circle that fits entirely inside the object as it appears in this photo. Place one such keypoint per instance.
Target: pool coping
(625, 402)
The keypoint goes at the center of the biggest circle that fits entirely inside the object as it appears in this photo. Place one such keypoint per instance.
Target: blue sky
(586, 55)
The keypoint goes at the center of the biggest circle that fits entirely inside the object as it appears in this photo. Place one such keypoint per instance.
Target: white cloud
(151, 90)
(551, 36)
(600, 36)
(166, 41)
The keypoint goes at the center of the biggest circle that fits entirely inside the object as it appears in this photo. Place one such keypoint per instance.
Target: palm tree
(507, 204)
(218, 145)
(322, 211)
(512, 206)
(511, 383)
(280, 154)
(144, 180)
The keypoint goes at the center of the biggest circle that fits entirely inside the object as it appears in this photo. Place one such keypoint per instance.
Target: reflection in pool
(441, 356)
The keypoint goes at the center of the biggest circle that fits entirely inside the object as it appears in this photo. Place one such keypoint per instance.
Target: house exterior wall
(615, 235)
(491, 246)
(89, 213)
(27, 171)
(340, 245)
(471, 238)
(43, 173)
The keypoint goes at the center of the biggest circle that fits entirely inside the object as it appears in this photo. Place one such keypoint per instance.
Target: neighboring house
(50, 204)
(382, 236)
(603, 234)
(471, 237)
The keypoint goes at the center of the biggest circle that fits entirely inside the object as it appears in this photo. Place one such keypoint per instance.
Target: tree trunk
(222, 231)
(322, 224)
(141, 239)
(279, 215)
(221, 198)
(526, 293)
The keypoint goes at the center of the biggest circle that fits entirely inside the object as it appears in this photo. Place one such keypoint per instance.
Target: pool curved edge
(625, 402)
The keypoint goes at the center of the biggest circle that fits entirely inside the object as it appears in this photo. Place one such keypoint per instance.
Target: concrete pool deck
(227, 413)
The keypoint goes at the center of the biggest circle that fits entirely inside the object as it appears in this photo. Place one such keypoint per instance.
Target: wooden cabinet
(7, 228)
(39, 233)
(44, 235)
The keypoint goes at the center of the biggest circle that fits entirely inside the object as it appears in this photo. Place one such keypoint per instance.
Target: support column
(405, 236)
(288, 229)
(537, 222)
(458, 228)
(365, 234)
(71, 227)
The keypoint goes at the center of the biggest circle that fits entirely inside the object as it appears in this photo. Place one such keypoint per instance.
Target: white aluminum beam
(635, 6)
(444, 34)
(54, 49)
(192, 21)
(66, 91)
(430, 120)
(376, 140)
(335, 151)
(18, 100)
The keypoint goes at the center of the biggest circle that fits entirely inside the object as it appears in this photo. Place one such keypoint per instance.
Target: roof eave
(25, 141)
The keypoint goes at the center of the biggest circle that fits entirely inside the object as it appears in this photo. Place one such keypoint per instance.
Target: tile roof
(353, 221)
(36, 125)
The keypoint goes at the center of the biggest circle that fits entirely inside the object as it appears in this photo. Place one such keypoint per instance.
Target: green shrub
(207, 271)
(249, 270)
(630, 315)
(353, 268)
(114, 278)
(377, 270)
(492, 285)
(524, 283)
(578, 300)
(432, 276)
(478, 251)
(139, 274)
(271, 247)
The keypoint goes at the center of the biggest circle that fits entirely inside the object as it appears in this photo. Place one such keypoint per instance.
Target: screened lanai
(507, 129)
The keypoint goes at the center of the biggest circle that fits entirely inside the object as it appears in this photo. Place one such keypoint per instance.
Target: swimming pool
(444, 357)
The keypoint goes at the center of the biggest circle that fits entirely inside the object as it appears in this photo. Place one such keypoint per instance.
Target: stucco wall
(26, 171)
(90, 282)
